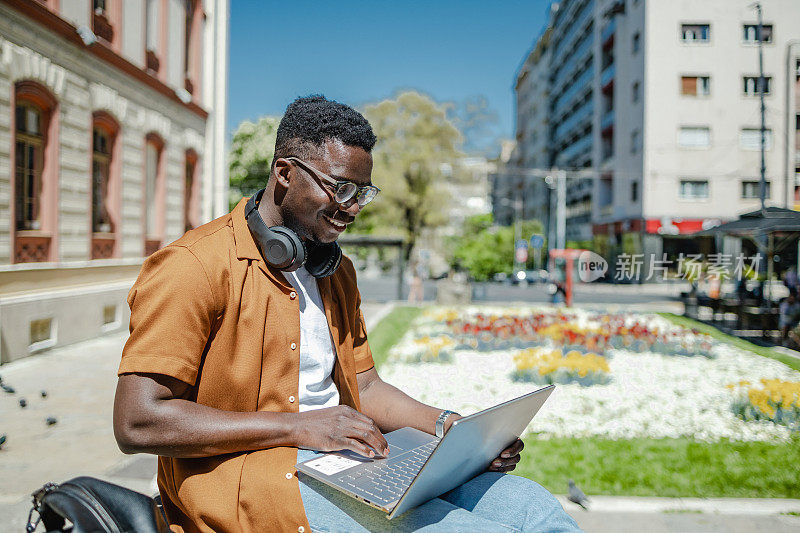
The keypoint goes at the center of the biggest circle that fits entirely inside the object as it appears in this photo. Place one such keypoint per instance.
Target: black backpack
(92, 505)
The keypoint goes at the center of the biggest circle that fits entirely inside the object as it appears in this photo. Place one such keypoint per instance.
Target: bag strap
(52, 521)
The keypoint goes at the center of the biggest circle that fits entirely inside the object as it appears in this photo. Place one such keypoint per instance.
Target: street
(661, 297)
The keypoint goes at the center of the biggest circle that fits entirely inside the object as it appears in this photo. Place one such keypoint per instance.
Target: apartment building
(659, 102)
(112, 145)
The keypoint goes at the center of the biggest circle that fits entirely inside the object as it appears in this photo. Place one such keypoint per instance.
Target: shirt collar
(246, 247)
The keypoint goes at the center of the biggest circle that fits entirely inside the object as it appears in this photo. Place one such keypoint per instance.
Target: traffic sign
(537, 241)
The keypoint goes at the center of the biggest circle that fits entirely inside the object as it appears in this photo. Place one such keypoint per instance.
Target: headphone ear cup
(280, 246)
(283, 249)
(324, 259)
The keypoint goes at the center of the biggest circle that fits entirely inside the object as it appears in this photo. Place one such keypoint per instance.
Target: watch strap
(440, 422)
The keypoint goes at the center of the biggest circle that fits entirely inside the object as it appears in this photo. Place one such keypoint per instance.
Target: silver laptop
(419, 466)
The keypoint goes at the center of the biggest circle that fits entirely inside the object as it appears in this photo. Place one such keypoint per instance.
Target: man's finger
(369, 435)
(514, 449)
(502, 465)
(358, 447)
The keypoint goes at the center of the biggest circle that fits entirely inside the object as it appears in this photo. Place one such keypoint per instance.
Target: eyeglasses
(343, 191)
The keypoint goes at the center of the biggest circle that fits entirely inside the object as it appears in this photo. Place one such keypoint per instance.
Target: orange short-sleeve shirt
(208, 310)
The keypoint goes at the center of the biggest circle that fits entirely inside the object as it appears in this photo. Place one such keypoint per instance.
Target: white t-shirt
(317, 356)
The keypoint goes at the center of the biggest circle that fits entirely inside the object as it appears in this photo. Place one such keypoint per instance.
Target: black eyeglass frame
(337, 185)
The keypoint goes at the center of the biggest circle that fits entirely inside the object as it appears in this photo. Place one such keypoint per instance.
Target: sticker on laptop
(332, 464)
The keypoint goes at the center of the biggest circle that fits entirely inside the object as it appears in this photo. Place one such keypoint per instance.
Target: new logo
(591, 266)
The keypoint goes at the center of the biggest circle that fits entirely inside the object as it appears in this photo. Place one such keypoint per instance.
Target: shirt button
(293, 346)
(288, 475)
(293, 295)
(301, 529)
(291, 399)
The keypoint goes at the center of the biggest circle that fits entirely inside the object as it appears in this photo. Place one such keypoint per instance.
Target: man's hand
(340, 428)
(508, 458)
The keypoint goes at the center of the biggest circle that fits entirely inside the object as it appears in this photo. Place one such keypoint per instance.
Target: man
(233, 365)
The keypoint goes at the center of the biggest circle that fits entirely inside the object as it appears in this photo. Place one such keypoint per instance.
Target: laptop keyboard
(387, 481)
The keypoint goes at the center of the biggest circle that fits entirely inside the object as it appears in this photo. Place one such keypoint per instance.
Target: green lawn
(389, 331)
(791, 362)
(665, 467)
(646, 467)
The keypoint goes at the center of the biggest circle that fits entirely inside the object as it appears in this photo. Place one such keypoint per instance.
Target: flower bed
(772, 399)
(645, 390)
(543, 366)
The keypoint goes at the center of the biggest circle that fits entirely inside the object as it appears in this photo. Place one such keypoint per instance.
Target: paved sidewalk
(80, 382)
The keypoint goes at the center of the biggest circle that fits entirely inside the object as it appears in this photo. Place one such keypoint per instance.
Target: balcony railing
(583, 113)
(607, 119)
(582, 83)
(607, 76)
(608, 31)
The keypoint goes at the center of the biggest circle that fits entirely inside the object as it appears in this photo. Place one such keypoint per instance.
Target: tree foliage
(252, 150)
(485, 250)
(416, 145)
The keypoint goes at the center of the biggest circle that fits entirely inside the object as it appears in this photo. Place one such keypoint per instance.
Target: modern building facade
(112, 145)
(658, 101)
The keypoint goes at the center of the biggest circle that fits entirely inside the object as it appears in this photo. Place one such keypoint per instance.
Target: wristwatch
(440, 422)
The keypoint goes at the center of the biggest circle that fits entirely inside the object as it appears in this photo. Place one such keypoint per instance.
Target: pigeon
(576, 495)
(51, 420)
(43, 393)
(8, 388)
(3, 440)
(23, 403)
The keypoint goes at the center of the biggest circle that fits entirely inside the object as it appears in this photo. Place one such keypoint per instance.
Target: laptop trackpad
(400, 440)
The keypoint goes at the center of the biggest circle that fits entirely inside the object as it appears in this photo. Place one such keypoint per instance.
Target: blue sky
(362, 52)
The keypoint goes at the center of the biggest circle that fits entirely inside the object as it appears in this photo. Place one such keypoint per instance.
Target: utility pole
(517, 226)
(561, 211)
(761, 87)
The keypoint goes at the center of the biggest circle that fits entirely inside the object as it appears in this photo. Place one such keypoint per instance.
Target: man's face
(309, 208)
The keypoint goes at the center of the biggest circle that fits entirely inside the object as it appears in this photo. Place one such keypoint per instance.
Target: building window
(101, 173)
(752, 189)
(695, 32)
(635, 191)
(35, 172)
(750, 85)
(694, 137)
(190, 191)
(636, 43)
(693, 189)
(188, 44)
(695, 85)
(29, 156)
(152, 30)
(636, 141)
(750, 139)
(104, 187)
(153, 193)
(102, 25)
(750, 33)
(635, 90)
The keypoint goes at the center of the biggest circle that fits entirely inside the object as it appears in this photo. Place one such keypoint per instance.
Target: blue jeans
(488, 503)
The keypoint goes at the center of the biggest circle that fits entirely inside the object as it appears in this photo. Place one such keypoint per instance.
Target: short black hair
(312, 120)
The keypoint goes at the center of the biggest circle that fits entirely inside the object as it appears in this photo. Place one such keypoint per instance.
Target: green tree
(252, 150)
(485, 250)
(416, 144)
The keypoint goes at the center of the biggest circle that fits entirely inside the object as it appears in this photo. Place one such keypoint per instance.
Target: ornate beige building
(112, 144)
